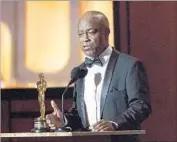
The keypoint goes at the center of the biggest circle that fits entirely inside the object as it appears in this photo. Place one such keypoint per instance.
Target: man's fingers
(53, 121)
(96, 124)
(102, 125)
(105, 129)
(47, 116)
(53, 128)
(56, 109)
(54, 106)
(99, 124)
(99, 127)
(49, 119)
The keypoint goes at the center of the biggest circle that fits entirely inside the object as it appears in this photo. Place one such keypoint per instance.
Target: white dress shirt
(93, 86)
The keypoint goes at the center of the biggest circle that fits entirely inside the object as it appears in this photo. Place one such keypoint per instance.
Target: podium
(66, 136)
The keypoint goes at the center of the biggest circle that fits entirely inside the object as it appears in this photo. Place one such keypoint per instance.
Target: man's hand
(55, 119)
(102, 125)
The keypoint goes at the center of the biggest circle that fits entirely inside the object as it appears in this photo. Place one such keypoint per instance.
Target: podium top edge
(70, 134)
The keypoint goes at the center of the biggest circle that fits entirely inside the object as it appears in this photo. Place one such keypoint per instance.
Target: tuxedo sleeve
(72, 116)
(137, 89)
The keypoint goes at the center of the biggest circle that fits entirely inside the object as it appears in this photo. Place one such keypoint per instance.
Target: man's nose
(86, 37)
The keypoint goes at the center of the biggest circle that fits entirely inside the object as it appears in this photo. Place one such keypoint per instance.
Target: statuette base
(40, 126)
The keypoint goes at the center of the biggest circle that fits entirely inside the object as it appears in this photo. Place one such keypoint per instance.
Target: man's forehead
(89, 24)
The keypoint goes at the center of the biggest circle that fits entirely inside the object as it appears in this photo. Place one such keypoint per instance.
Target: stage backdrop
(41, 36)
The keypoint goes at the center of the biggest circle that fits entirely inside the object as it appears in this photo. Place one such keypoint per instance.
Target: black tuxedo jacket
(124, 98)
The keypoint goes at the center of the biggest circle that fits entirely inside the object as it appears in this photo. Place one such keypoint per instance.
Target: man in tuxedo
(114, 95)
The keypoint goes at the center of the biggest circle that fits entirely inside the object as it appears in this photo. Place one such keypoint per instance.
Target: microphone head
(78, 72)
(74, 72)
(82, 72)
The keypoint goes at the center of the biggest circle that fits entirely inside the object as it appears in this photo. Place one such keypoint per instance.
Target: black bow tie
(89, 62)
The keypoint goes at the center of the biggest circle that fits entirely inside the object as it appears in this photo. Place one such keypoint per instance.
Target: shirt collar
(105, 55)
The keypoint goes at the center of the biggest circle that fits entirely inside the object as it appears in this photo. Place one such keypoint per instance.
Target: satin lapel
(80, 99)
(108, 78)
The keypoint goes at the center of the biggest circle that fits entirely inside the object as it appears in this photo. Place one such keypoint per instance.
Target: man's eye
(80, 34)
(92, 31)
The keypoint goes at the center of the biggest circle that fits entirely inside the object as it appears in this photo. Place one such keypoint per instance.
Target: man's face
(92, 36)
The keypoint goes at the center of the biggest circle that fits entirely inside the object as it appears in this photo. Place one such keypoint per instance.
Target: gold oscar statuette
(40, 124)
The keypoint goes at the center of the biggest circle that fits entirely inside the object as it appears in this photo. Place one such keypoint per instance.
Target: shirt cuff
(114, 125)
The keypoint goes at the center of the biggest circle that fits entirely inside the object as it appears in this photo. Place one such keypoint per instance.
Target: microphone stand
(75, 74)
(64, 129)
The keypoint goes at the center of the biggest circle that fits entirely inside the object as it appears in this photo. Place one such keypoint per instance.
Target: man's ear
(107, 31)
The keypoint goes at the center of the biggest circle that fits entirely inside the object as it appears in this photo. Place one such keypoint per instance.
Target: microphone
(76, 73)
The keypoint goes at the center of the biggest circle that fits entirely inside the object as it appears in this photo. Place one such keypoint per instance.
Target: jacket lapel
(108, 78)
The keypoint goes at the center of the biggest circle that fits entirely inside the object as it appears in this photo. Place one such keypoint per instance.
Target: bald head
(93, 30)
(97, 17)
